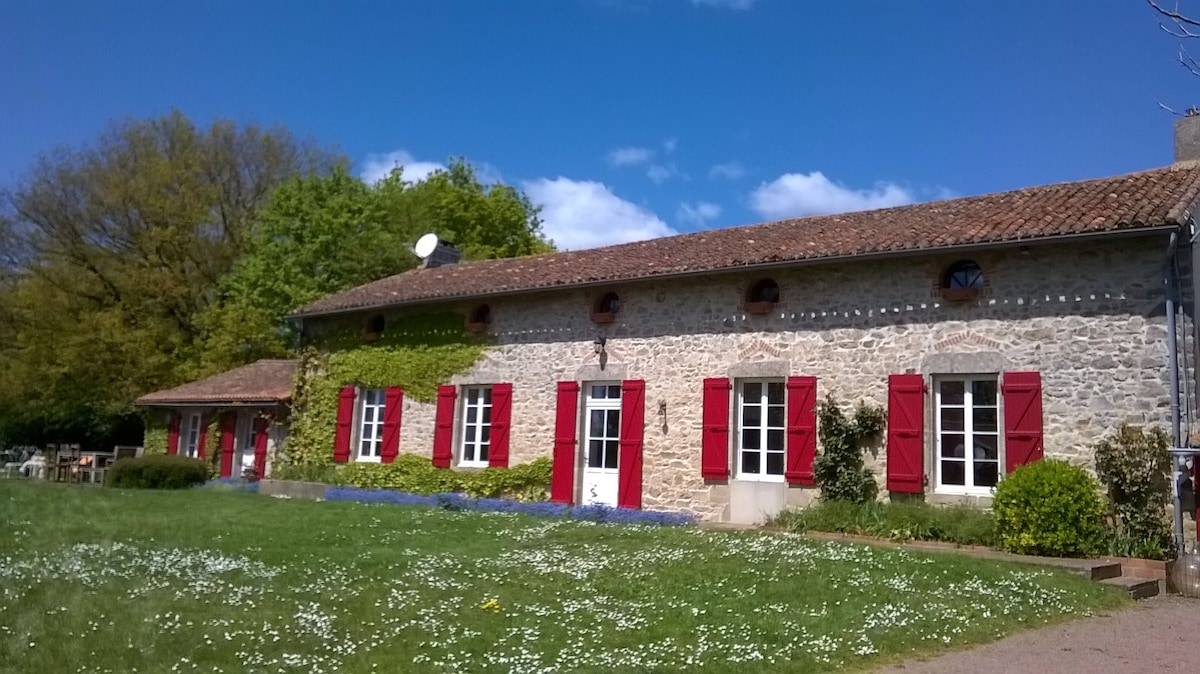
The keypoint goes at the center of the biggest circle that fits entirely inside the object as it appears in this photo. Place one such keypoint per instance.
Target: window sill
(960, 294)
(477, 328)
(603, 317)
(758, 308)
(766, 479)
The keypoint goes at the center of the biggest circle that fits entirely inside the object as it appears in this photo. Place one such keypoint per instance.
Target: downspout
(1173, 371)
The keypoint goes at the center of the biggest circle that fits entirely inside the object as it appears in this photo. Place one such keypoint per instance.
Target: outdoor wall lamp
(598, 344)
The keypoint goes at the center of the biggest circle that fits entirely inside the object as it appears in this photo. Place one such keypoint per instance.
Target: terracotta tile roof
(1159, 197)
(265, 381)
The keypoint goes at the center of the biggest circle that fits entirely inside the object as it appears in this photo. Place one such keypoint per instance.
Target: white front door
(601, 444)
(243, 444)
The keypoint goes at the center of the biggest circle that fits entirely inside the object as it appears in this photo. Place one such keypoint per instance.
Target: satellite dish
(426, 245)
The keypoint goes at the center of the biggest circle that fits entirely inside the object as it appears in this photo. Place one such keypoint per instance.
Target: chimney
(445, 254)
(1187, 136)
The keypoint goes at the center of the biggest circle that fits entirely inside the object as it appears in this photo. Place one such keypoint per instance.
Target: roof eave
(857, 257)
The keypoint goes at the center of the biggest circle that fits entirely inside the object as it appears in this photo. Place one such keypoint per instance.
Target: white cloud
(697, 214)
(630, 156)
(660, 173)
(377, 166)
(725, 4)
(669, 144)
(585, 214)
(798, 194)
(729, 171)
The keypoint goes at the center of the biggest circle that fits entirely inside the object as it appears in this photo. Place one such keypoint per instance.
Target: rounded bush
(158, 471)
(1049, 508)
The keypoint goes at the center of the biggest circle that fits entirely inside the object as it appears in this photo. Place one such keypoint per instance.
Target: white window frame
(968, 433)
(369, 431)
(763, 431)
(474, 453)
(591, 404)
(191, 436)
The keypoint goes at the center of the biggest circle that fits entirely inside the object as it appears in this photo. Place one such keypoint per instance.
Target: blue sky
(627, 119)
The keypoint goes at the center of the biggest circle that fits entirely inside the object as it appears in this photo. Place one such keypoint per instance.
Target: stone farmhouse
(683, 373)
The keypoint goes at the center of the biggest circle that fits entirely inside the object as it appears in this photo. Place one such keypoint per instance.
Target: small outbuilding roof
(264, 382)
(1130, 204)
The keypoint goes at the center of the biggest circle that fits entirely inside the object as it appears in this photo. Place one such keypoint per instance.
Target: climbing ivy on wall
(418, 353)
(154, 439)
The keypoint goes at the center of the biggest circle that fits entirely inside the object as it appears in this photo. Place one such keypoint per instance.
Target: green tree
(322, 234)
(119, 246)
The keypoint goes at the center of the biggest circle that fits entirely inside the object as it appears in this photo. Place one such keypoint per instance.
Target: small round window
(764, 290)
(608, 304)
(482, 315)
(963, 275)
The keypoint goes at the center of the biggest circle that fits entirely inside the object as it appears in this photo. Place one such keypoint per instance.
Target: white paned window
(603, 430)
(370, 424)
(191, 439)
(760, 429)
(476, 426)
(968, 437)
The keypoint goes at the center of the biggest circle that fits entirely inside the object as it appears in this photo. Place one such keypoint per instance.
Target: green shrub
(305, 472)
(839, 469)
(1135, 469)
(158, 471)
(1049, 508)
(901, 521)
(417, 475)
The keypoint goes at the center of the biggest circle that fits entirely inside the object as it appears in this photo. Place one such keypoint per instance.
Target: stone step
(1103, 570)
(1137, 587)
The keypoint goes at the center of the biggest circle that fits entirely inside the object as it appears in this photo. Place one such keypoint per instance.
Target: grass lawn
(101, 580)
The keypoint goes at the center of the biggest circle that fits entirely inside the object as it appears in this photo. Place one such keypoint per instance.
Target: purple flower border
(459, 502)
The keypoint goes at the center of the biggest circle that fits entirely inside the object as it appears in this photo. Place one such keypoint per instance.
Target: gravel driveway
(1156, 635)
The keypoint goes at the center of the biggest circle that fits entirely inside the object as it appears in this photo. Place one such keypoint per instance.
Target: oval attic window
(963, 280)
(606, 308)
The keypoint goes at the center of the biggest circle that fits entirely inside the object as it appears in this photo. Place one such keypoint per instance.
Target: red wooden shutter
(714, 446)
(173, 433)
(629, 462)
(501, 418)
(260, 446)
(345, 419)
(562, 481)
(906, 434)
(393, 404)
(443, 429)
(202, 438)
(1022, 418)
(801, 429)
(228, 430)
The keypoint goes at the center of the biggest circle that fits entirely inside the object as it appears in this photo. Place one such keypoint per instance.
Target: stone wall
(1088, 317)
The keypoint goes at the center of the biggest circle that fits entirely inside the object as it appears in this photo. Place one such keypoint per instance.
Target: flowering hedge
(593, 513)
(231, 484)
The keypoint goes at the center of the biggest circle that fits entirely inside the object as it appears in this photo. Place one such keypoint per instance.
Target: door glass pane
(983, 392)
(487, 396)
(775, 439)
(595, 453)
(752, 391)
(750, 462)
(952, 419)
(610, 454)
(954, 473)
(952, 445)
(614, 392)
(612, 426)
(596, 421)
(487, 415)
(485, 433)
(986, 473)
(598, 392)
(752, 415)
(469, 433)
(984, 419)
(472, 414)
(472, 395)
(952, 392)
(775, 393)
(774, 463)
(483, 453)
